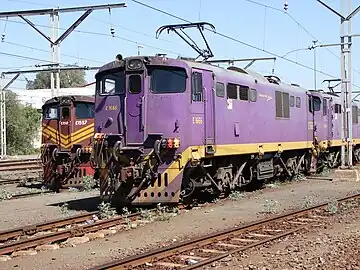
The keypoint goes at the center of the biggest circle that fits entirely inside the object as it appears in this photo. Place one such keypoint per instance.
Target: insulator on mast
(286, 5)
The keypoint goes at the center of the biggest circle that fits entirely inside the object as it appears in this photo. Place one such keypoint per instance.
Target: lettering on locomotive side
(80, 122)
(198, 120)
(64, 123)
(111, 108)
(268, 98)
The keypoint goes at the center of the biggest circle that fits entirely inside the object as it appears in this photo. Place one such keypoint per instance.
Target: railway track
(30, 194)
(18, 180)
(205, 250)
(55, 231)
(20, 165)
(11, 170)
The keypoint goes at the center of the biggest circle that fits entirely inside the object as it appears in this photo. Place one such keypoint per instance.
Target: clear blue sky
(241, 19)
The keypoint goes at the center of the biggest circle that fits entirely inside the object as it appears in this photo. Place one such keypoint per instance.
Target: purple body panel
(240, 121)
(108, 114)
(213, 120)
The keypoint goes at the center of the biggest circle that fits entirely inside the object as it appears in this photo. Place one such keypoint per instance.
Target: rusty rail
(29, 194)
(44, 226)
(52, 237)
(213, 247)
(20, 165)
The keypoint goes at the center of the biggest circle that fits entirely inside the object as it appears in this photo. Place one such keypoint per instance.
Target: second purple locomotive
(165, 128)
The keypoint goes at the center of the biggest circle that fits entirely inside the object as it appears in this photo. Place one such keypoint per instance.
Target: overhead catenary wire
(102, 21)
(28, 58)
(300, 25)
(217, 33)
(43, 50)
(239, 41)
(104, 34)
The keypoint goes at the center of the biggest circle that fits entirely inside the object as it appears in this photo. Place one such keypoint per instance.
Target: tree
(22, 126)
(68, 78)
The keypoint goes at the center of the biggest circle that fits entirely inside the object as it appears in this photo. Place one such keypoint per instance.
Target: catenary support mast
(346, 79)
(55, 40)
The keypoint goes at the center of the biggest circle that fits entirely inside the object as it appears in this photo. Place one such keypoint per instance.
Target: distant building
(36, 98)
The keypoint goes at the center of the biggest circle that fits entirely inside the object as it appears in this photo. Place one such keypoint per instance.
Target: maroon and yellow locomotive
(67, 131)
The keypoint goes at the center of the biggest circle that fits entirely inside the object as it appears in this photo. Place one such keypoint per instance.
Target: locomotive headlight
(176, 143)
(65, 101)
(134, 64)
(99, 136)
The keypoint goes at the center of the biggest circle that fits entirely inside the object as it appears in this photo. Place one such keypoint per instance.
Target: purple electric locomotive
(165, 128)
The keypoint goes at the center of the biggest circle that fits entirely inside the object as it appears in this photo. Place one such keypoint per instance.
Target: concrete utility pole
(55, 41)
(346, 77)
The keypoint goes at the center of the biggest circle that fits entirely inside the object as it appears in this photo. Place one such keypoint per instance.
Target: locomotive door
(318, 118)
(134, 103)
(328, 108)
(202, 108)
(65, 128)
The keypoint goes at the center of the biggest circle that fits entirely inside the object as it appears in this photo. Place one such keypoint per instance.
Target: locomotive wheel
(188, 190)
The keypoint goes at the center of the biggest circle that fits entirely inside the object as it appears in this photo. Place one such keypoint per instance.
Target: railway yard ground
(313, 249)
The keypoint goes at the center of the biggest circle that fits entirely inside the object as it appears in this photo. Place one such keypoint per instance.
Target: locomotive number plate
(111, 108)
(80, 122)
(198, 120)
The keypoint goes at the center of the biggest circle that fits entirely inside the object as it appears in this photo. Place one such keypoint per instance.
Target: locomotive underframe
(126, 173)
(64, 169)
(224, 174)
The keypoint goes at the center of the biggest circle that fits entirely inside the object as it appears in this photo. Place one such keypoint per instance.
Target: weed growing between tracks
(88, 183)
(5, 195)
(105, 211)
(333, 207)
(64, 209)
(270, 206)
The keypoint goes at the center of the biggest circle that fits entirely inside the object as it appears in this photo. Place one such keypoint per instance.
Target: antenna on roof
(205, 53)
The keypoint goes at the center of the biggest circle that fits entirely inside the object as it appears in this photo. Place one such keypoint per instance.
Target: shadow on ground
(85, 204)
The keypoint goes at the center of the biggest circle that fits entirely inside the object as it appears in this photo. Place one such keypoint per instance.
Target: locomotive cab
(140, 122)
(67, 128)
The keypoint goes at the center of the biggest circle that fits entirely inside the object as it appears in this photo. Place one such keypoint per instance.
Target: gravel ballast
(206, 219)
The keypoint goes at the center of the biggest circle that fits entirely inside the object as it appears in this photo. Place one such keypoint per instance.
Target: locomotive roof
(76, 98)
(243, 74)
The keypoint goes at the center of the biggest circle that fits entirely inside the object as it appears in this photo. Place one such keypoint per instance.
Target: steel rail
(63, 234)
(17, 180)
(44, 226)
(24, 165)
(14, 161)
(169, 252)
(30, 194)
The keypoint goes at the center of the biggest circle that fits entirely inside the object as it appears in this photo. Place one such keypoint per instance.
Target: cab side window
(65, 113)
(196, 87)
